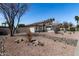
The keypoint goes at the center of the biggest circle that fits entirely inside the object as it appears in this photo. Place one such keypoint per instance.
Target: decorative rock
(22, 40)
(17, 41)
(54, 40)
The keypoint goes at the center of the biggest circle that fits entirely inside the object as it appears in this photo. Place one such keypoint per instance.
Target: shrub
(29, 35)
(72, 29)
(17, 31)
(21, 25)
(57, 29)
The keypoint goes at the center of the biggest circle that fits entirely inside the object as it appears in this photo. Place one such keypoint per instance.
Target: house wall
(32, 29)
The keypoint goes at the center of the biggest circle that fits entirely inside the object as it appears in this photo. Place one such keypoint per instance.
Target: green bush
(72, 29)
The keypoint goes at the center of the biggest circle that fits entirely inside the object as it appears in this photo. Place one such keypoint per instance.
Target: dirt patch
(50, 48)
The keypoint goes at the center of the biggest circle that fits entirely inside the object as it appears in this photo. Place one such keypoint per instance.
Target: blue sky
(42, 11)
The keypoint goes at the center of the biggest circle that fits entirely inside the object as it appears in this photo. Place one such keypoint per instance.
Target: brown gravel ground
(50, 48)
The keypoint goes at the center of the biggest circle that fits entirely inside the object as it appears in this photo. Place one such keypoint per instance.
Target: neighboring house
(5, 24)
(44, 26)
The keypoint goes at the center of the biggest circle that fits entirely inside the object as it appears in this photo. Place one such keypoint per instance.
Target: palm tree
(77, 19)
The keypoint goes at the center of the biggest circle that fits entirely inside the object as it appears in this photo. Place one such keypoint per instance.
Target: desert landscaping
(33, 30)
(49, 47)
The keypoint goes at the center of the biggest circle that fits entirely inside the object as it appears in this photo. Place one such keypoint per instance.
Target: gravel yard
(50, 48)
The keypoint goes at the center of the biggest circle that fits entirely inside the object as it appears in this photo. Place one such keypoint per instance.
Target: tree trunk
(11, 31)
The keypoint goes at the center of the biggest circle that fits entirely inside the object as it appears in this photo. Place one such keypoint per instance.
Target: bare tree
(12, 12)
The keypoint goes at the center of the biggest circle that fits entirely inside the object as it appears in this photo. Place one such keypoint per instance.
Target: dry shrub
(29, 36)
